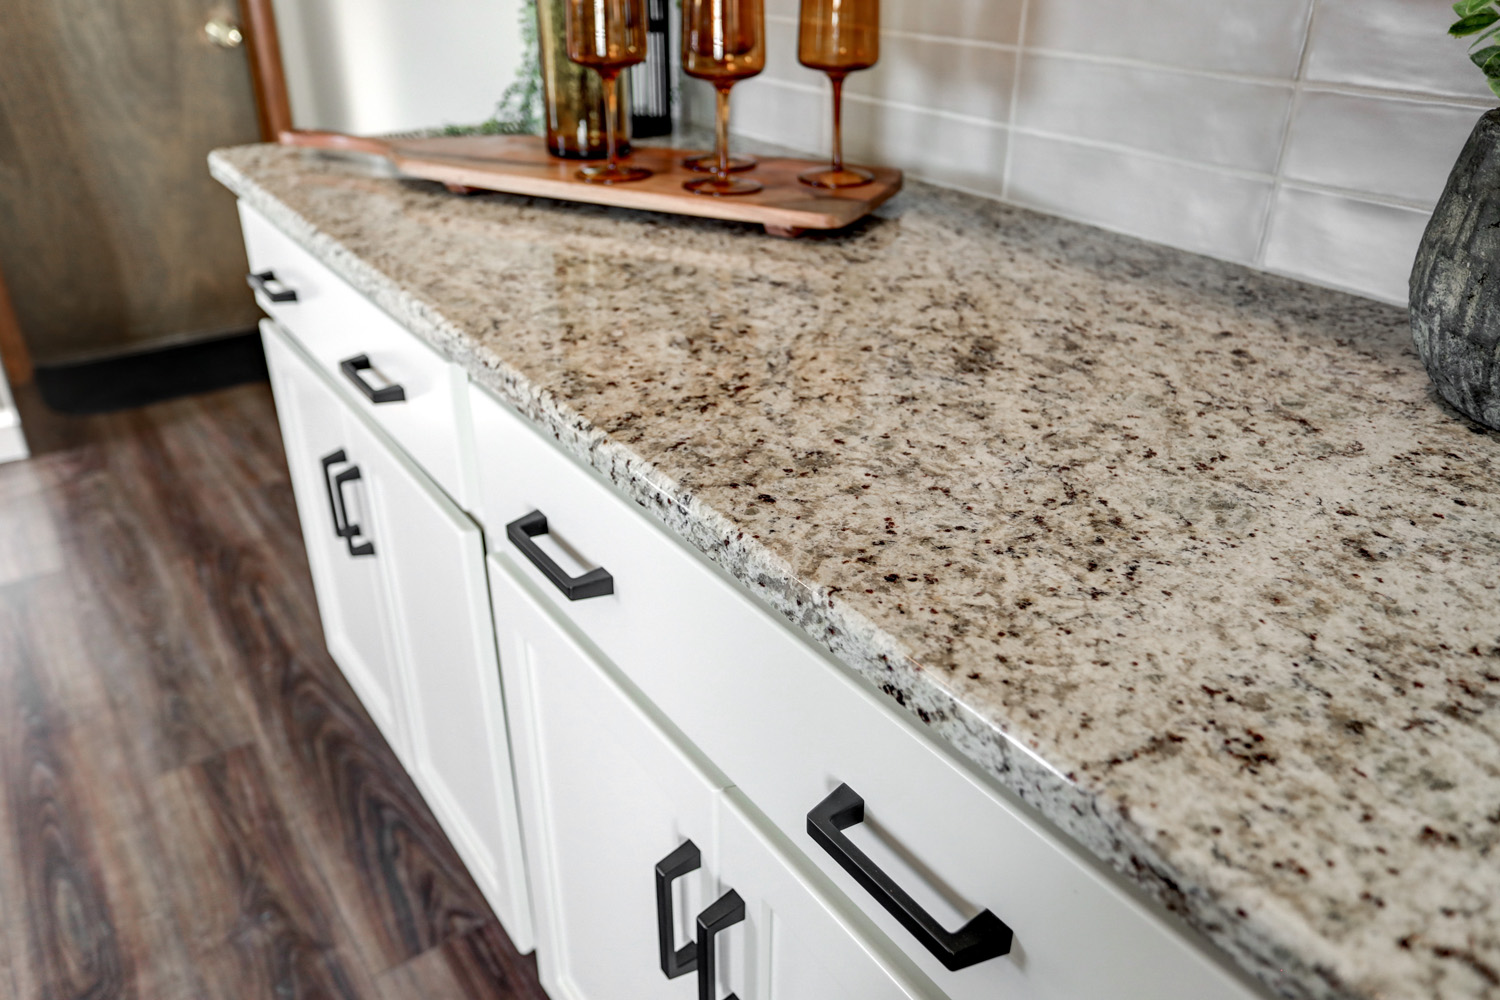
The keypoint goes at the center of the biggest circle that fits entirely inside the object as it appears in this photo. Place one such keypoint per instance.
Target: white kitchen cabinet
(454, 718)
(609, 794)
(606, 795)
(324, 451)
(400, 576)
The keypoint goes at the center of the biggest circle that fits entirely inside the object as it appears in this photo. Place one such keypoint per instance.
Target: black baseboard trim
(130, 380)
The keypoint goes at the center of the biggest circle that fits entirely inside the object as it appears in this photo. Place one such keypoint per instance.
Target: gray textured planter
(1455, 284)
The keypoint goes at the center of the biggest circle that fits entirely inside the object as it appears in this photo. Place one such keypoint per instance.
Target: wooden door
(606, 795)
(324, 443)
(113, 237)
(433, 555)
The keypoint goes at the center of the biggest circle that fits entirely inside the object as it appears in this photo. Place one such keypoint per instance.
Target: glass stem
(611, 111)
(721, 126)
(837, 79)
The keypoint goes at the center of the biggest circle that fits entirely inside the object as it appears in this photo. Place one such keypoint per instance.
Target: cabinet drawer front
(788, 727)
(365, 351)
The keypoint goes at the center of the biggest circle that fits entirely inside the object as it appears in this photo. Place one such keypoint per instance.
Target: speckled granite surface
(1189, 557)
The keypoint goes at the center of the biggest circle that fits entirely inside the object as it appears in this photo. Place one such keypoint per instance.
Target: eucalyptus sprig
(1481, 18)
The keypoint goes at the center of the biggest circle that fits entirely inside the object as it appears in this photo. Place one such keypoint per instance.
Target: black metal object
(351, 367)
(680, 961)
(338, 506)
(981, 939)
(262, 282)
(651, 81)
(594, 583)
(727, 911)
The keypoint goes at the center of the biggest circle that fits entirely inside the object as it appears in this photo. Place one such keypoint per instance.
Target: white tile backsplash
(1257, 37)
(1309, 137)
(941, 76)
(1228, 122)
(1386, 146)
(1395, 44)
(1187, 206)
(1338, 240)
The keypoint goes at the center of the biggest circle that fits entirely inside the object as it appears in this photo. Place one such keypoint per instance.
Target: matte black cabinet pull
(722, 915)
(338, 506)
(262, 283)
(674, 962)
(351, 367)
(981, 939)
(594, 583)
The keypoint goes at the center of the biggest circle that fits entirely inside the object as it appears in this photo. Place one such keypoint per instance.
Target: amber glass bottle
(573, 100)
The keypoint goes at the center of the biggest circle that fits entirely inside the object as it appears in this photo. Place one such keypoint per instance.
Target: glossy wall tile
(1235, 131)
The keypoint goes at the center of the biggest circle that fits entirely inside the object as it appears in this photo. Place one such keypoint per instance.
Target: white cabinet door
(799, 939)
(606, 795)
(324, 452)
(455, 714)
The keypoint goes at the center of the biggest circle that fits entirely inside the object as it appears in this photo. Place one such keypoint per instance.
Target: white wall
(1307, 137)
(371, 66)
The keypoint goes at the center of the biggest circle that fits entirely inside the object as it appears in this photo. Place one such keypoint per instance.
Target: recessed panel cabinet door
(328, 456)
(454, 711)
(606, 796)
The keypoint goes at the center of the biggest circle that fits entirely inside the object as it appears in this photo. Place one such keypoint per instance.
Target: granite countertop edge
(1304, 969)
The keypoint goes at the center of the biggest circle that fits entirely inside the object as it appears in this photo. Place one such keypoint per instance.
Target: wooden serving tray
(520, 164)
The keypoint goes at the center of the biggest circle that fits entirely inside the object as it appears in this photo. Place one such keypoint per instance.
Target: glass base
(708, 163)
(619, 173)
(828, 177)
(719, 187)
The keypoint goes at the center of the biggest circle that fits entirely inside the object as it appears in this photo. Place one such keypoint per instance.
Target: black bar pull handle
(351, 531)
(727, 911)
(351, 367)
(981, 939)
(674, 961)
(594, 583)
(263, 282)
(329, 460)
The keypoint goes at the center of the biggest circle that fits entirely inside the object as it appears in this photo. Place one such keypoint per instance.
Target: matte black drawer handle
(262, 283)
(338, 505)
(680, 961)
(351, 367)
(594, 583)
(722, 915)
(981, 939)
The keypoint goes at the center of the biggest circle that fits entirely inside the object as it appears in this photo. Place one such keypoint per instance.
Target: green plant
(1481, 18)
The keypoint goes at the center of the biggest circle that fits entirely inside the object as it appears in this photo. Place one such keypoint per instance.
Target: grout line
(1354, 194)
(1293, 107)
(917, 36)
(1015, 103)
(1273, 179)
(1397, 94)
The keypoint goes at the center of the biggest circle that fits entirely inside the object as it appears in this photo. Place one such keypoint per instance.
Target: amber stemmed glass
(608, 36)
(723, 42)
(838, 37)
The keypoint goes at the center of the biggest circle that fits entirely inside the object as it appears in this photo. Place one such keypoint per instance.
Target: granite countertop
(1189, 557)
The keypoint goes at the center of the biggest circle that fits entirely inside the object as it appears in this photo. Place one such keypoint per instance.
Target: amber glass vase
(723, 42)
(608, 36)
(838, 37)
(573, 97)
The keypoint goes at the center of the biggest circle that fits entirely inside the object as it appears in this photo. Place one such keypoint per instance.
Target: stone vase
(1455, 284)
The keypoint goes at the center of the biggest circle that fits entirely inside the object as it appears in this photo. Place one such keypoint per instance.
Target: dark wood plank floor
(192, 802)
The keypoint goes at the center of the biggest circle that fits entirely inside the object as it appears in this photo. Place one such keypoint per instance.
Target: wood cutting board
(520, 164)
